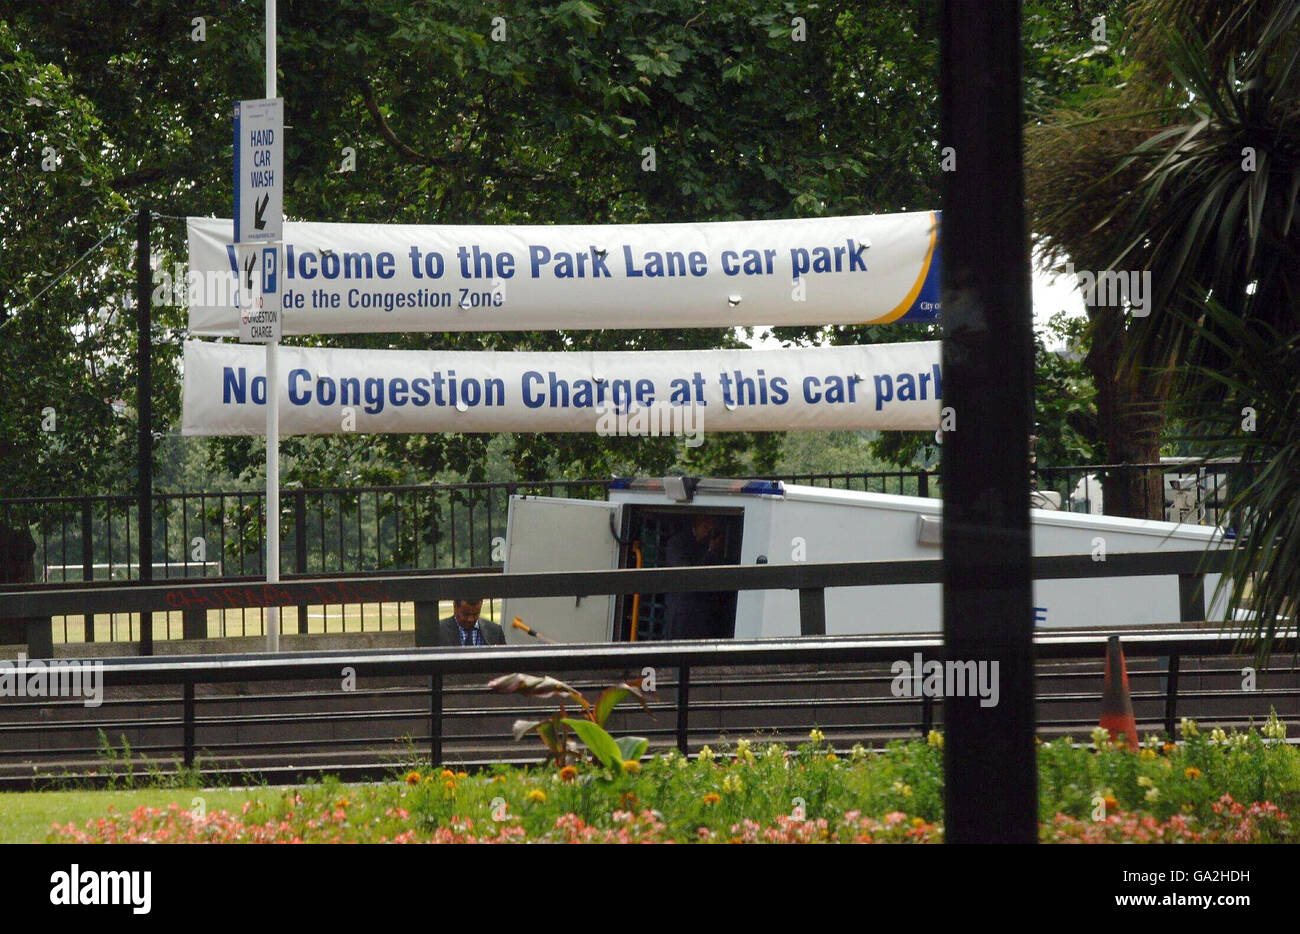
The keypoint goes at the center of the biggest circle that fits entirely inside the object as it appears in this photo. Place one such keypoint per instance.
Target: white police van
(769, 522)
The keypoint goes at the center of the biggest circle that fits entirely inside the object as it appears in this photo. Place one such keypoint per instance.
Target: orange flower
(412, 778)
(568, 773)
(1192, 772)
(712, 798)
(1112, 804)
(629, 799)
(446, 773)
(449, 785)
(1168, 748)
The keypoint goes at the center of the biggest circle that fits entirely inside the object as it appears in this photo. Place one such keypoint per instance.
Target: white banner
(352, 278)
(332, 391)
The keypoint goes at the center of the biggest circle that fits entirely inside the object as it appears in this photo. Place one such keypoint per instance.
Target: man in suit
(465, 628)
(696, 615)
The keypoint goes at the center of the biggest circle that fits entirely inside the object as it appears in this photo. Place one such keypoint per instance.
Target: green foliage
(554, 730)
(1218, 787)
(449, 126)
(1249, 413)
(1064, 396)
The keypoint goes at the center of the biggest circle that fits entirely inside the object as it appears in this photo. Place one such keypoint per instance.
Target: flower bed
(1206, 788)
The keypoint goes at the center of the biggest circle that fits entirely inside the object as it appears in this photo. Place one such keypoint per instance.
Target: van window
(673, 537)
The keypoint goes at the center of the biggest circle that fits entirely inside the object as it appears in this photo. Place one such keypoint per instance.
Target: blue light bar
(716, 486)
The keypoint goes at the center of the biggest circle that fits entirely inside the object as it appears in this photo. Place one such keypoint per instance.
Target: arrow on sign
(248, 271)
(258, 220)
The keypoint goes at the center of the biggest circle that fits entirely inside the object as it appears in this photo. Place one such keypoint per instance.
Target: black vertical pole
(87, 561)
(300, 552)
(144, 414)
(989, 768)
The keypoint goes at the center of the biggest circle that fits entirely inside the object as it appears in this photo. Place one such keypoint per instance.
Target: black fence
(38, 606)
(300, 725)
(289, 718)
(429, 527)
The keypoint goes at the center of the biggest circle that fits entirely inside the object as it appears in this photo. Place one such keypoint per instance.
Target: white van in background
(768, 522)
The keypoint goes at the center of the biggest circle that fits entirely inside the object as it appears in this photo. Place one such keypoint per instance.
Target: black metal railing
(39, 605)
(692, 697)
(220, 535)
(291, 709)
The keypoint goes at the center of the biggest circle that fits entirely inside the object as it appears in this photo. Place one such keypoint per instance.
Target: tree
(1149, 179)
(62, 335)
(569, 112)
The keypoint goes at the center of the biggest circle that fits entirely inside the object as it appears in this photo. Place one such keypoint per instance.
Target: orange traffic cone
(1116, 705)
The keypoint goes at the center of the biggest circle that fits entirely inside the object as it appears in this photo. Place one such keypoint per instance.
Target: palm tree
(1186, 170)
(1190, 171)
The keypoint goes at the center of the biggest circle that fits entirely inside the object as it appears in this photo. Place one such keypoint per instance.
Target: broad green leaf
(632, 748)
(600, 743)
(612, 696)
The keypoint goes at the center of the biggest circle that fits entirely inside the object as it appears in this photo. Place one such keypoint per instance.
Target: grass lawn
(1215, 787)
(25, 817)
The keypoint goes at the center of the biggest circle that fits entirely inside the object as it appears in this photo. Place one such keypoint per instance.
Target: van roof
(686, 489)
(1042, 517)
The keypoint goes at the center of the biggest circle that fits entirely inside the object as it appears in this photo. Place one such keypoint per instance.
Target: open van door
(550, 534)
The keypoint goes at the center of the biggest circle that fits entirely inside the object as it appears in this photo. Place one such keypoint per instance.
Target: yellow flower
(816, 735)
(1100, 736)
(918, 821)
(712, 798)
(1274, 728)
(904, 790)
(1187, 726)
(858, 752)
(1188, 808)
(1147, 753)
(743, 753)
(732, 784)
(1145, 781)
(412, 778)
(462, 775)
(568, 773)
(706, 754)
(631, 767)
(537, 796)
(935, 739)
(1153, 794)
(1192, 772)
